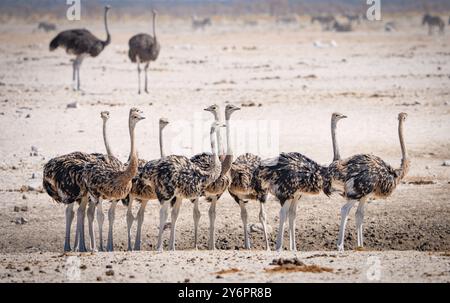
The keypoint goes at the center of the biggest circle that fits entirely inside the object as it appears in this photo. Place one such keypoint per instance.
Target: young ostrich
(177, 177)
(433, 21)
(214, 191)
(246, 186)
(81, 43)
(142, 193)
(63, 182)
(108, 182)
(288, 177)
(144, 48)
(363, 176)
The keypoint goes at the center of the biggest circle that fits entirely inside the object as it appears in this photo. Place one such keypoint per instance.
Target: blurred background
(35, 9)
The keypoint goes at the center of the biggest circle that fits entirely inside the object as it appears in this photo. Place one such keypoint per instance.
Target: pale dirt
(370, 76)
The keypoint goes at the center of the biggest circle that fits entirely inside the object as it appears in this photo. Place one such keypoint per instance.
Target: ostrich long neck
(404, 166)
(226, 163)
(132, 167)
(108, 36)
(161, 142)
(154, 27)
(336, 155)
(106, 140)
(218, 135)
(217, 166)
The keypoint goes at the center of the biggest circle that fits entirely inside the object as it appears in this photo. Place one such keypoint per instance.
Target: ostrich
(81, 43)
(364, 176)
(177, 177)
(144, 48)
(214, 191)
(244, 186)
(110, 182)
(142, 193)
(433, 21)
(288, 177)
(62, 181)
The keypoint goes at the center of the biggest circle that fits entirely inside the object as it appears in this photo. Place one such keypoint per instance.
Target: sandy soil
(370, 76)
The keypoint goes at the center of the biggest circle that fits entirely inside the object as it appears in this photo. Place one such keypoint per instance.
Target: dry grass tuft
(295, 265)
(228, 271)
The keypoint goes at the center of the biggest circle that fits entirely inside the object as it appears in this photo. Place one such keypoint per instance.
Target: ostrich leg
(139, 77)
(81, 212)
(175, 212)
(212, 219)
(111, 217)
(196, 215)
(74, 74)
(130, 220)
(140, 218)
(90, 215)
(292, 216)
(283, 216)
(262, 219)
(163, 213)
(100, 220)
(69, 219)
(244, 217)
(145, 71)
(345, 210)
(359, 221)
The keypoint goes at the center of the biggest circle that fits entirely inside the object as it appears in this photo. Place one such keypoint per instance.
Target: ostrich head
(104, 115)
(402, 116)
(229, 109)
(163, 122)
(337, 116)
(214, 109)
(155, 12)
(135, 116)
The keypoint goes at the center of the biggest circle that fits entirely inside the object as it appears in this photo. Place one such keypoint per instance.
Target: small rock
(24, 208)
(132, 277)
(27, 116)
(16, 209)
(187, 280)
(26, 268)
(427, 167)
(446, 163)
(109, 272)
(109, 266)
(24, 197)
(21, 221)
(99, 279)
(73, 105)
(83, 266)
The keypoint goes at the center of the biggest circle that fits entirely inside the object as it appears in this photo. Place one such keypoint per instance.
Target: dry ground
(370, 76)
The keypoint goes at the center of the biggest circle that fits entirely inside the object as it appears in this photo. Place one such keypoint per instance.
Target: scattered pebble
(446, 163)
(16, 209)
(21, 221)
(109, 272)
(73, 105)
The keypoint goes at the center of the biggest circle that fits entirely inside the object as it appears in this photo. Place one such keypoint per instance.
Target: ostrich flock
(89, 179)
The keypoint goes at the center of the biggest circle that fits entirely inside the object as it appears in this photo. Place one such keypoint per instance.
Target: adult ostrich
(81, 43)
(144, 48)
(363, 176)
